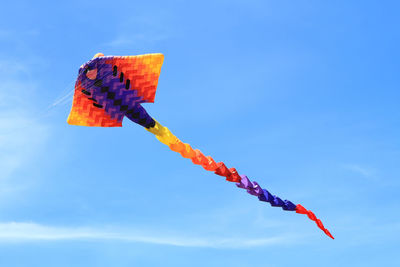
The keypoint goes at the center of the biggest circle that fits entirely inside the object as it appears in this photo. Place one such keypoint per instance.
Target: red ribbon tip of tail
(300, 209)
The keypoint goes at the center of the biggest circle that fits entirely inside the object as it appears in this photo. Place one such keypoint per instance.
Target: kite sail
(108, 88)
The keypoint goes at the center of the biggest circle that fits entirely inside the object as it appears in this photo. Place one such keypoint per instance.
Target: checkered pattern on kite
(84, 113)
(143, 72)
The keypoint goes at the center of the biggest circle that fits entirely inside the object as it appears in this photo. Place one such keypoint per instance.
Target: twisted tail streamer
(109, 88)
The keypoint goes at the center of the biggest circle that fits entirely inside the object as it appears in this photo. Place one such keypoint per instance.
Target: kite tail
(164, 135)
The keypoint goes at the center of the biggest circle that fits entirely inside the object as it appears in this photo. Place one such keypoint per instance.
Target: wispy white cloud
(364, 171)
(127, 39)
(18, 140)
(143, 30)
(21, 135)
(32, 232)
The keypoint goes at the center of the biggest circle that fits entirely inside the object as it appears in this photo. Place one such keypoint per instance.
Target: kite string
(164, 135)
(66, 95)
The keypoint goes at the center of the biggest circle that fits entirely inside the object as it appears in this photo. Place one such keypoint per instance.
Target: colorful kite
(109, 88)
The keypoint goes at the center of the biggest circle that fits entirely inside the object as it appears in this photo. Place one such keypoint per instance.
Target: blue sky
(301, 96)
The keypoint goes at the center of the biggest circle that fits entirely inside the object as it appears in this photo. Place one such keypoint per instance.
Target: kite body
(109, 88)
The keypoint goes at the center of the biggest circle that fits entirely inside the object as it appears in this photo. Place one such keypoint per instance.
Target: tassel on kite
(108, 88)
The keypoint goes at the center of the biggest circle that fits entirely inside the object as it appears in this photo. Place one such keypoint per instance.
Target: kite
(109, 88)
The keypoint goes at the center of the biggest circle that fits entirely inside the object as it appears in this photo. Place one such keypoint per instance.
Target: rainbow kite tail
(164, 135)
